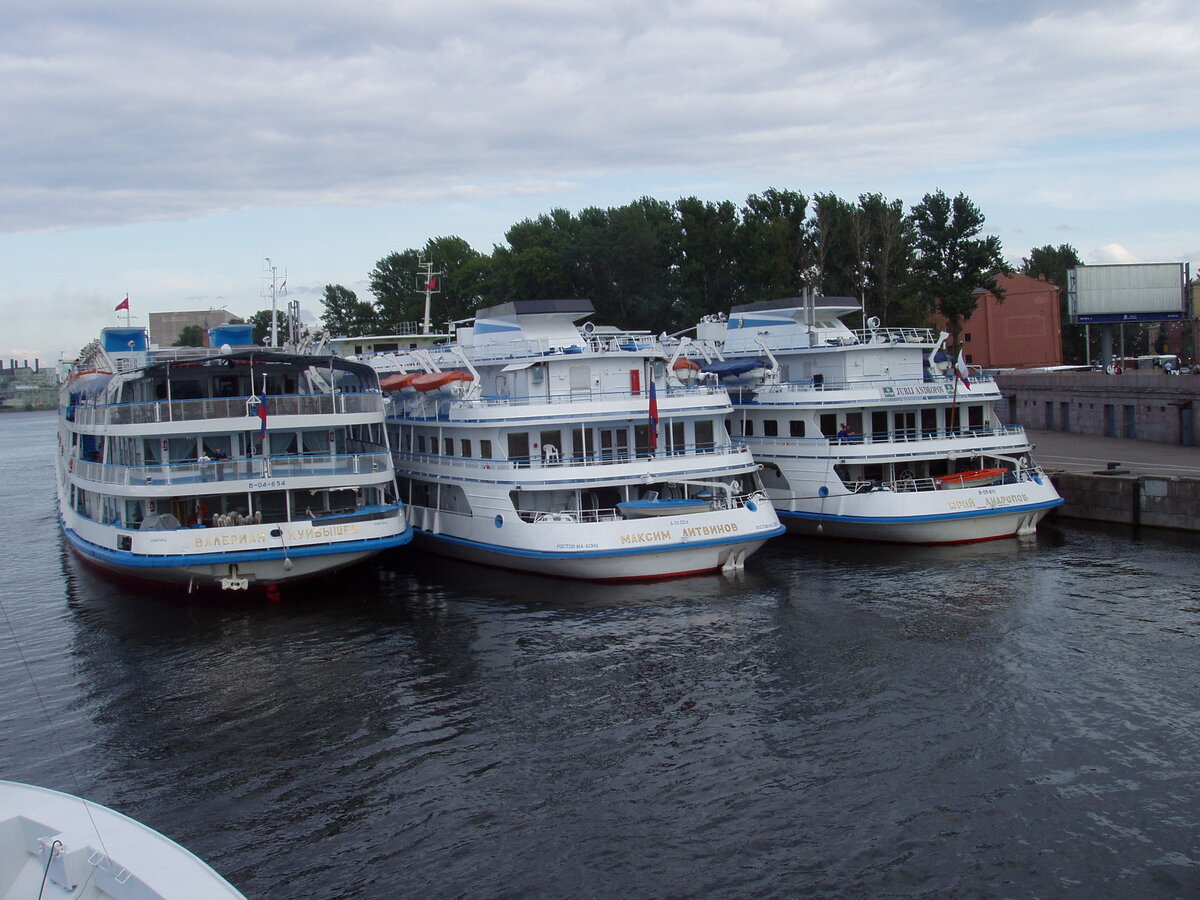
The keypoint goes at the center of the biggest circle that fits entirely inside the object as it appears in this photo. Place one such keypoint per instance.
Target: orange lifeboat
(974, 478)
(686, 370)
(393, 383)
(450, 383)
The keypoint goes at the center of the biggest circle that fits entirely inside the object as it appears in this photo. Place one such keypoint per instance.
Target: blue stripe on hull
(902, 520)
(142, 560)
(600, 554)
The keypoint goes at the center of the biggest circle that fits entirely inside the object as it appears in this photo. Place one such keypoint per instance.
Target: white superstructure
(862, 435)
(535, 444)
(230, 468)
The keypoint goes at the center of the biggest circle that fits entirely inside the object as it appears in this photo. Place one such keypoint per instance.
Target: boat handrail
(911, 484)
(641, 454)
(583, 395)
(826, 385)
(205, 408)
(238, 469)
(864, 441)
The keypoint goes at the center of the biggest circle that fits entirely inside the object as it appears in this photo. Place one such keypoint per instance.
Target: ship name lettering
(702, 530)
(230, 540)
(644, 537)
(961, 504)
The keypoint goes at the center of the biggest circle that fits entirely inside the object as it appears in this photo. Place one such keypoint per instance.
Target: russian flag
(960, 369)
(262, 417)
(653, 417)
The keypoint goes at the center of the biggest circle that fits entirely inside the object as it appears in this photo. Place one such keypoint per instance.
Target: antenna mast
(278, 289)
(427, 283)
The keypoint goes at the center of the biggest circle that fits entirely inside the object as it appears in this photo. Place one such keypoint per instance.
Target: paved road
(1089, 453)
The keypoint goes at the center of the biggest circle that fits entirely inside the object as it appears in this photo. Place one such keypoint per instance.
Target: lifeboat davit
(403, 383)
(974, 478)
(450, 384)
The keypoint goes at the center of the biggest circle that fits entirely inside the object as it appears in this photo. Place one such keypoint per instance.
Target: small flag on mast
(653, 417)
(960, 369)
(262, 417)
(124, 304)
(431, 284)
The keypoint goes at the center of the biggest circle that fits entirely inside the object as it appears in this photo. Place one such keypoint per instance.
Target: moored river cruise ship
(536, 444)
(233, 467)
(864, 434)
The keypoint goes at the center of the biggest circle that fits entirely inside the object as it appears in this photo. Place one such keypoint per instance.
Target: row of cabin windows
(605, 442)
(904, 424)
(450, 446)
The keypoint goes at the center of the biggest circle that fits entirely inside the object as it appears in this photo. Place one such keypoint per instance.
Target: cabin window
(677, 438)
(748, 428)
(770, 428)
(704, 435)
(552, 445)
(420, 443)
(929, 422)
(879, 426)
(796, 427)
(829, 424)
(433, 445)
(975, 417)
(641, 440)
(518, 447)
(465, 448)
(485, 449)
(854, 425)
(449, 446)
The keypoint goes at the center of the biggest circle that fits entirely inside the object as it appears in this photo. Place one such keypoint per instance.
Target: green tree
(888, 240)
(1052, 264)
(706, 275)
(190, 336)
(952, 261)
(775, 245)
(261, 321)
(345, 315)
(398, 285)
(838, 246)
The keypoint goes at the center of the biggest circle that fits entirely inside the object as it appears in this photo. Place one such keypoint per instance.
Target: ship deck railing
(416, 411)
(858, 444)
(641, 343)
(555, 461)
(821, 384)
(238, 469)
(912, 484)
(239, 517)
(205, 408)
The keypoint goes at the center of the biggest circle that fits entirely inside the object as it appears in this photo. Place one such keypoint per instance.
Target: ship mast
(427, 284)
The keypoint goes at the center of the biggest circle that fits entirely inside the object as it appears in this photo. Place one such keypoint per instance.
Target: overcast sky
(166, 150)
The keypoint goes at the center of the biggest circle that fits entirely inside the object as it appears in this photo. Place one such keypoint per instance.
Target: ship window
(518, 447)
(433, 445)
(748, 428)
(677, 438)
(485, 449)
(879, 426)
(704, 435)
(466, 447)
(829, 424)
(420, 443)
(449, 446)
(929, 422)
(770, 428)
(797, 427)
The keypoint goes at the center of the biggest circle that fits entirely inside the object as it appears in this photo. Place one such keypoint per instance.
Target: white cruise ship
(862, 437)
(231, 467)
(535, 444)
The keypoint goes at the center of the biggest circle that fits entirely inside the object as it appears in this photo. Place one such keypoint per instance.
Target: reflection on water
(1014, 718)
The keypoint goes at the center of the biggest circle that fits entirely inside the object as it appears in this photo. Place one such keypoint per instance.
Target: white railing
(912, 484)
(224, 408)
(241, 469)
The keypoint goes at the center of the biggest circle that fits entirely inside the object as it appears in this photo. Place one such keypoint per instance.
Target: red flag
(431, 284)
(960, 370)
(124, 304)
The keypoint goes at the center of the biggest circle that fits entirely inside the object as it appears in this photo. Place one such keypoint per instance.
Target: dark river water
(1012, 719)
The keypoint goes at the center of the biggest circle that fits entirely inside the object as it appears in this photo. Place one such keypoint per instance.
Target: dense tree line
(661, 266)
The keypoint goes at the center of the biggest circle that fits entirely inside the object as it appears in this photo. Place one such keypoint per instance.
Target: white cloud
(1110, 254)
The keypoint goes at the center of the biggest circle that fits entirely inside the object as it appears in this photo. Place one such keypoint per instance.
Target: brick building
(1022, 331)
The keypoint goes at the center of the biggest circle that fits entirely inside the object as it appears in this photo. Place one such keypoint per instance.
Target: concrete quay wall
(1146, 407)
(1158, 501)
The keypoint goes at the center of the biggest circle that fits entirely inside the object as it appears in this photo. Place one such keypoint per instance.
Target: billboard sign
(1143, 292)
